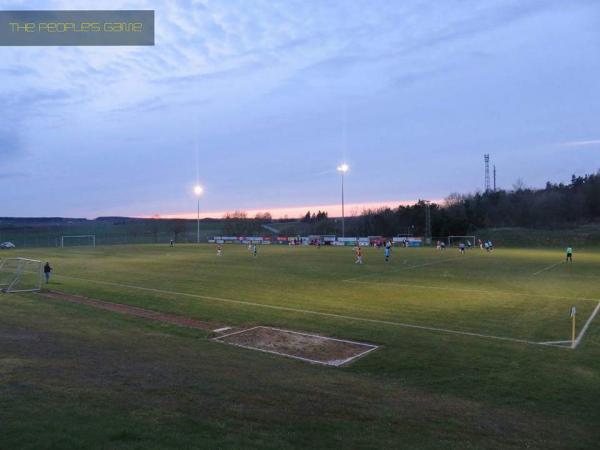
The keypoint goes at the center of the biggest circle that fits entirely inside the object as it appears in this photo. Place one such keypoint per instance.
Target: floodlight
(343, 168)
(198, 190)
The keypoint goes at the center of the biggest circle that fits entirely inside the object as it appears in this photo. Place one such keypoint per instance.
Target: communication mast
(486, 159)
(427, 222)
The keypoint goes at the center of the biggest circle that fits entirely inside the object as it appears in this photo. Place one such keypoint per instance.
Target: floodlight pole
(198, 191)
(198, 223)
(343, 215)
(428, 239)
(343, 169)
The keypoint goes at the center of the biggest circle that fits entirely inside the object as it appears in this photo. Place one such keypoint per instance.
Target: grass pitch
(459, 365)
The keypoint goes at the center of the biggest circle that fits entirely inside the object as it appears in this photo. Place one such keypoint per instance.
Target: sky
(260, 101)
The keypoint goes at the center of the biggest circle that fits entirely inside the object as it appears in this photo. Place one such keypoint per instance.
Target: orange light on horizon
(295, 212)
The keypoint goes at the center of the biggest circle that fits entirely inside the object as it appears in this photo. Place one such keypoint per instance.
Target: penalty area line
(400, 269)
(317, 313)
(480, 291)
(547, 268)
(586, 326)
(574, 344)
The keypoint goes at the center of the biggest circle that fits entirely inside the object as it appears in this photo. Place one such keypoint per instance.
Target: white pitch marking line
(235, 332)
(400, 269)
(305, 311)
(585, 327)
(483, 291)
(547, 268)
(364, 344)
(314, 361)
(220, 330)
(567, 346)
(360, 355)
(335, 363)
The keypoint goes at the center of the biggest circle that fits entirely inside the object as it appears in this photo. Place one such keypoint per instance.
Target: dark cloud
(10, 145)
(414, 76)
(186, 80)
(20, 106)
(12, 175)
(28, 99)
(18, 71)
(146, 105)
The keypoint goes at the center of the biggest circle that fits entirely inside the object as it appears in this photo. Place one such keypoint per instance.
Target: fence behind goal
(467, 240)
(20, 275)
(79, 240)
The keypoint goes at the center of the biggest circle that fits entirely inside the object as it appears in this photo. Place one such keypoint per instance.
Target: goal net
(469, 241)
(88, 240)
(20, 275)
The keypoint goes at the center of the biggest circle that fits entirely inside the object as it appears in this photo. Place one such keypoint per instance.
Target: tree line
(554, 206)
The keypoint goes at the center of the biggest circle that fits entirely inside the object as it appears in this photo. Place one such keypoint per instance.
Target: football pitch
(473, 351)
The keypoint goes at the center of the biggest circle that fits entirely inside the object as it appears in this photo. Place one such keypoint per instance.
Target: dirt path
(303, 346)
(173, 319)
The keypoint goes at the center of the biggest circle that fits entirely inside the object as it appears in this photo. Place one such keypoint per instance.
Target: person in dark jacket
(47, 270)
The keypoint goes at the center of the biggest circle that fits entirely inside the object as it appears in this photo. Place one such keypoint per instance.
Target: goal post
(78, 240)
(453, 240)
(20, 275)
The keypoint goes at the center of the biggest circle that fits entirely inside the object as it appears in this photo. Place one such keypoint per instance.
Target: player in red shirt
(358, 253)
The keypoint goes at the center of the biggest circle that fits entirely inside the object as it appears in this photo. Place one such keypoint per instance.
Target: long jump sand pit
(293, 344)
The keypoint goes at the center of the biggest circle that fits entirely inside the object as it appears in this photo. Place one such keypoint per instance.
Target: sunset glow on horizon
(295, 212)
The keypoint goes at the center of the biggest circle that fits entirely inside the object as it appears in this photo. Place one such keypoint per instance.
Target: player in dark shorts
(47, 272)
(569, 254)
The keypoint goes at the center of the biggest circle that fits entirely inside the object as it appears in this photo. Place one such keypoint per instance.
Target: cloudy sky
(261, 100)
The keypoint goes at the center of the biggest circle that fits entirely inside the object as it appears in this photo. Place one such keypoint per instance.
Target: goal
(20, 275)
(81, 240)
(455, 240)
